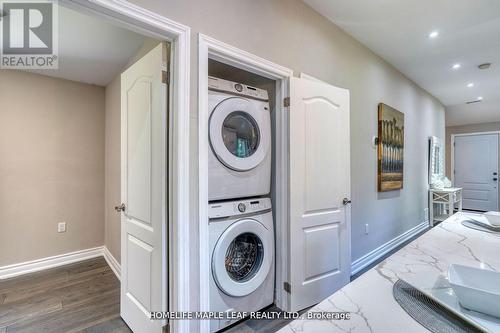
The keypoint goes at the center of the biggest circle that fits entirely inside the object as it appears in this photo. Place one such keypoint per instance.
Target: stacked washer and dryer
(240, 215)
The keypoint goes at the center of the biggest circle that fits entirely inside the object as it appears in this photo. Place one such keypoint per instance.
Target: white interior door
(476, 170)
(320, 251)
(144, 278)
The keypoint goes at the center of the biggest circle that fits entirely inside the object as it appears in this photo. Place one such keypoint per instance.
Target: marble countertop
(369, 298)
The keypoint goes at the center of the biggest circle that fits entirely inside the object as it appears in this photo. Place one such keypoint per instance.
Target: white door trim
(150, 23)
(311, 78)
(211, 48)
(452, 148)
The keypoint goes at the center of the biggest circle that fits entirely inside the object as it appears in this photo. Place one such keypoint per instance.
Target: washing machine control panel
(217, 84)
(240, 207)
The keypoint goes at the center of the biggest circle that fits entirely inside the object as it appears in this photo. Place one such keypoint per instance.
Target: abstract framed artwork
(390, 148)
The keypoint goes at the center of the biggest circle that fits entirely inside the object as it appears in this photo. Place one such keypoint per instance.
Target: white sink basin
(476, 289)
(493, 218)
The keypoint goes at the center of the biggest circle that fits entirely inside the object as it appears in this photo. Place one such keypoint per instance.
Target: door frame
(149, 23)
(209, 47)
(452, 156)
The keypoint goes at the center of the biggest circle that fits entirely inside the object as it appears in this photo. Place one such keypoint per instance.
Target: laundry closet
(240, 164)
(275, 182)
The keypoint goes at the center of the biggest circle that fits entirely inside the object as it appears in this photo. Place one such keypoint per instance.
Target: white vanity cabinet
(447, 198)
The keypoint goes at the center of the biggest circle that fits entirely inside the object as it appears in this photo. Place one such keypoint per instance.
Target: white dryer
(239, 158)
(242, 257)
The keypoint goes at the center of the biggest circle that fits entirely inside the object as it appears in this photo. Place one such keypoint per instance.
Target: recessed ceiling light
(470, 85)
(433, 34)
(480, 98)
(456, 66)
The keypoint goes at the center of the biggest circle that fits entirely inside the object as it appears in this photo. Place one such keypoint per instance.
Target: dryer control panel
(239, 207)
(235, 88)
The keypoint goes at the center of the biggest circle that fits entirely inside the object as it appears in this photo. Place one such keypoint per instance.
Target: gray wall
(112, 185)
(291, 34)
(60, 161)
(51, 166)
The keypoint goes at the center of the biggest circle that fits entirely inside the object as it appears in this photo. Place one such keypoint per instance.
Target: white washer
(239, 158)
(242, 257)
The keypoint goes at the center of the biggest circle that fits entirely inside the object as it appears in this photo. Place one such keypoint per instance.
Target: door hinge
(287, 287)
(166, 328)
(286, 101)
(165, 77)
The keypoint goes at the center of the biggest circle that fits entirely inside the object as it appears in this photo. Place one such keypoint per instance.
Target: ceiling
(91, 50)
(398, 31)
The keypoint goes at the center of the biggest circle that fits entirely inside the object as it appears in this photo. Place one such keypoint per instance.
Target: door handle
(120, 208)
(346, 201)
(495, 179)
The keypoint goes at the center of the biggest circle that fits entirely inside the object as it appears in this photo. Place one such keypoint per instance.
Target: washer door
(239, 134)
(242, 257)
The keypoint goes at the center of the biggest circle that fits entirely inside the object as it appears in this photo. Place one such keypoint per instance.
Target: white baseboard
(112, 262)
(49, 262)
(367, 259)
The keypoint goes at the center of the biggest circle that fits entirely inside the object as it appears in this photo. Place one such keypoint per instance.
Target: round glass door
(244, 257)
(240, 134)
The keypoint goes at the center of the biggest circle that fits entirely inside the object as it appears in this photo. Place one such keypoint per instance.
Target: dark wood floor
(81, 297)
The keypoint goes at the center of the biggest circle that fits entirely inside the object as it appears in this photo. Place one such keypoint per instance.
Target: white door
(144, 175)
(320, 261)
(476, 170)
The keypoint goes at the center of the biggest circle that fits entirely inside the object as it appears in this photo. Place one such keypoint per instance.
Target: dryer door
(242, 257)
(240, 133)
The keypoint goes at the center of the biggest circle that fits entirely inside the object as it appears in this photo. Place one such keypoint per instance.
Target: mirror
(436, 159)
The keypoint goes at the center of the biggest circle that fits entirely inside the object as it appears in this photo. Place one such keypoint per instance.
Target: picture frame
(390, 148)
